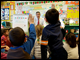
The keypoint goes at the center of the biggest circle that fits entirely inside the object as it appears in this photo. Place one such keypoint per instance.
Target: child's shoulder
(46, 29)
(3, 36)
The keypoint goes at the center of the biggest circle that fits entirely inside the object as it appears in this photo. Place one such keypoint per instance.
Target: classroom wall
(67, 9)
(24, 7)
(11, 6)
(64, 7)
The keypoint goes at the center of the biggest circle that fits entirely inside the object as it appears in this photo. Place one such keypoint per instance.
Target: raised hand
(31, 19)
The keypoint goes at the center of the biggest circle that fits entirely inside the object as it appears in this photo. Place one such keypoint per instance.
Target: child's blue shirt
(27, 46)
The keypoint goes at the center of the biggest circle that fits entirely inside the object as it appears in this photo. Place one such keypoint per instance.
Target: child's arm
(44, 43)
(3, 47)
(32, 36)
(7, 48)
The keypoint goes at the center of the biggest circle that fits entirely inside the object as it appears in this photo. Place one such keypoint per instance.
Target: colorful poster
(74, 22)
(72, 2)
(19, 9)
(21, 21)
(72, 14)
(5, 14)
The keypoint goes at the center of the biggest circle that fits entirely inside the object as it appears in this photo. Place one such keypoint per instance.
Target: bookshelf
(68, 27)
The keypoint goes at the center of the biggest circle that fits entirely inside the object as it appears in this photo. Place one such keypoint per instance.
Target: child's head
(71, 39)
(52, 16)
(17, 36)
(39, 29)
(4, 32)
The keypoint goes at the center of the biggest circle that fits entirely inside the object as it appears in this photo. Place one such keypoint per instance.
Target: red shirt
(5, 41)
(8, 43)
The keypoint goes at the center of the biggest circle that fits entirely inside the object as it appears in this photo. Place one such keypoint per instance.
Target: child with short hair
(70, 46)
(4, 47)
(4, 37)
(36, 51)
(21, 49)
(52, 36)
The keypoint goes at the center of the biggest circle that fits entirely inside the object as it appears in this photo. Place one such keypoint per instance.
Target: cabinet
(68, 27)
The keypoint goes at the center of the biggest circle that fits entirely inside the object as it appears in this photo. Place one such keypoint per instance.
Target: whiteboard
(20, 21)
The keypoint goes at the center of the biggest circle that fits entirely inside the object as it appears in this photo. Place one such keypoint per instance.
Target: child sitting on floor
(70, 46)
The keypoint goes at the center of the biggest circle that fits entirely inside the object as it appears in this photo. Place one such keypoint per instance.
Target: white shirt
(62, 24)
(72, 52)
(44, 23)
(41, 21)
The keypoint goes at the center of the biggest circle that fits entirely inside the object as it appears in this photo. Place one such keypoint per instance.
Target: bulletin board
(67, 9)
(10, 6)
(4, 13)
(26, 9)
(73, 11)
(12, 9)
(20, 21)
(72, 2)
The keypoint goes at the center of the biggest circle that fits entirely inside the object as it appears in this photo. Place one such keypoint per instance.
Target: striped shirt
(36, 51)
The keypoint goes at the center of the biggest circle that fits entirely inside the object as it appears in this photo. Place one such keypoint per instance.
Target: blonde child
(36, 51)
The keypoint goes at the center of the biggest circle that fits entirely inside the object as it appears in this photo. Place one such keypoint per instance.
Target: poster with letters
(21, 21)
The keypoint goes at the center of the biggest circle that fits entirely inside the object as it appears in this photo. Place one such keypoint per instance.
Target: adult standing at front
(38, 20)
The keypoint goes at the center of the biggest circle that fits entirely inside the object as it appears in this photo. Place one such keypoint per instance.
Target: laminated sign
(21, 21)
